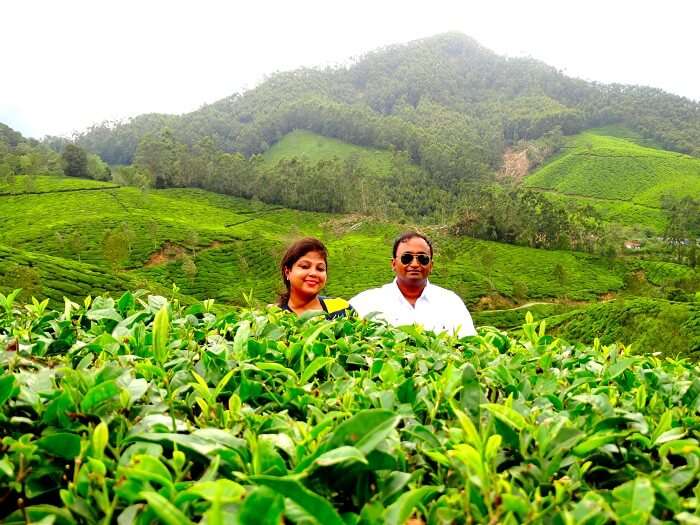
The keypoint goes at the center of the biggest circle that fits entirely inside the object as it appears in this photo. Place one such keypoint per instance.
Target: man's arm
(368, 302)
(462, 319)
(360, 303)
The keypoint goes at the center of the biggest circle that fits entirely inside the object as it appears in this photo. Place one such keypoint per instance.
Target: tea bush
(140, 410)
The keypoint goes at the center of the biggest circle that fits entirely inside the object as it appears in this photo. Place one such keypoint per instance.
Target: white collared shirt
(437, 309)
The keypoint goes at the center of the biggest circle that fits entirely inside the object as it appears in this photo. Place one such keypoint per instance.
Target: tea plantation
(594, 165)
(621, 177)
(140, 410)
(235, 245)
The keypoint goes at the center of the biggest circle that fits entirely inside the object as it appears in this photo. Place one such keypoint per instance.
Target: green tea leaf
(311, 502)
(313, 367)
(240, 340)
(365, 430)
(263, 506)
(634, 499)
(166, 511)
(398, 512)
(161, 335)
(691, 395)
(341, 455)
(507, 415)
(100, 437)
(620, 366)
(663, 425)
(471, 434)
(98, 395)
(276, 367)
(148, 468)
(8, 388)
(36, 513)
(62, 444)
(595, 442)
(221, 490)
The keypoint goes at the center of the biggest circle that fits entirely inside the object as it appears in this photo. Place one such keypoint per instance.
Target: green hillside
(217, 246)
(55, 277)
(650, 325)
(43, 184)
(451, 104)
(616, 169)
(636, 219)
(314, 147)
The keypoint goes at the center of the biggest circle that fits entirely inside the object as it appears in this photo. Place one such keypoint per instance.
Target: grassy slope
(632, 217)
(604, 167)
(19, 185)
(619, 176)
(57, 276)
(309, 145)
(650, 325)
(238, 244)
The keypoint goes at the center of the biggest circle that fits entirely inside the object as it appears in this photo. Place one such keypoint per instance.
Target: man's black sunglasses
(407, 258)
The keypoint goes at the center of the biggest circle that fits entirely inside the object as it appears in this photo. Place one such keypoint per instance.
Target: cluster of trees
(333, 185)
(514, 215)
(21, 156)
(79, 163)
(504, 213)
(682, 232)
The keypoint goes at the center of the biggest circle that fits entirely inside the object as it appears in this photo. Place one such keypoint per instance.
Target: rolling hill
(623, 180)
(235, 245)
(60, 241)
(314, 147)
(611, 168)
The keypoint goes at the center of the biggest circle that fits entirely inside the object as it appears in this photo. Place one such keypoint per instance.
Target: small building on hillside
(633, 245)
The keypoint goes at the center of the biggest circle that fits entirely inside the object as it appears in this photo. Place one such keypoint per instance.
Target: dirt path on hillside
(605, 298)
(602, 199)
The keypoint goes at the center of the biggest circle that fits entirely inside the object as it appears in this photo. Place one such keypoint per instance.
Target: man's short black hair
(407, 236)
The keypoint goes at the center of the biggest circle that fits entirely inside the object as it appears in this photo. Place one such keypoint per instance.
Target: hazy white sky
(68, 64)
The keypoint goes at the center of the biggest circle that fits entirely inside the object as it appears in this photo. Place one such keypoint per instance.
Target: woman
(304, 273)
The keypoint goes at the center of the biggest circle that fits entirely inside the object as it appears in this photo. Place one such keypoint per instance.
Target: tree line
(682, 232)
(510, 214)
(28, 157)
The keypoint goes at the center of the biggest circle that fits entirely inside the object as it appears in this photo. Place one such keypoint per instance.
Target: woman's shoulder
(336, 306)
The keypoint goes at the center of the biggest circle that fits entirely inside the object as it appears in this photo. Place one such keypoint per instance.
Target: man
(411, 298)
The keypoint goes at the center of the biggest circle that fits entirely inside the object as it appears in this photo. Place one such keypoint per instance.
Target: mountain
(452, 104)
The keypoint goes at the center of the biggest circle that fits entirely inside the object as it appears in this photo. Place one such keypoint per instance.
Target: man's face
(412, 273)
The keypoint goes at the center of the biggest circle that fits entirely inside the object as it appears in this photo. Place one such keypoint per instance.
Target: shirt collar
(425, 295)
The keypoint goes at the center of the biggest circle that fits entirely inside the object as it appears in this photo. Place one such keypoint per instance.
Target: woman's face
(307, 276)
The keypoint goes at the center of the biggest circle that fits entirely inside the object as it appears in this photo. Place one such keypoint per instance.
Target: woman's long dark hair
(295, 252)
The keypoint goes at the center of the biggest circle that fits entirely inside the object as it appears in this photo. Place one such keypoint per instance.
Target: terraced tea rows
(234, 246)
(604, 167)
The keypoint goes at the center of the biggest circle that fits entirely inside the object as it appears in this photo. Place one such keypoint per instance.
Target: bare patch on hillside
(170, 252)
(515, 165)
(345, 223)
(495, 301)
